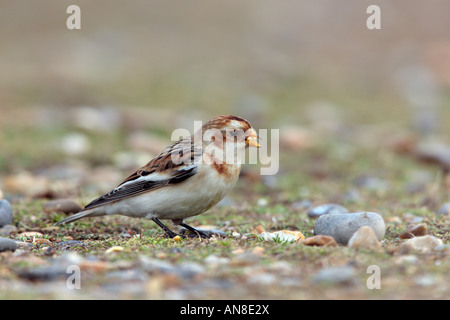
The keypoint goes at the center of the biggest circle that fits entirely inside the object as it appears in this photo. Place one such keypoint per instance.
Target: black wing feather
(137, 187)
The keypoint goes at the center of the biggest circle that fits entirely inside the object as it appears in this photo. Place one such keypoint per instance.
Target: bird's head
(233, 129)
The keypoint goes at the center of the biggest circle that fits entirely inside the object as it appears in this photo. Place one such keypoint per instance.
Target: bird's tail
(77, 216)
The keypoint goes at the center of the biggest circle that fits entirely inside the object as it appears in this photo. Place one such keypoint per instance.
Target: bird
(186, 179)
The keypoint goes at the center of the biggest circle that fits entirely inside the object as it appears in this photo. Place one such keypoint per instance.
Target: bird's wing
(175, 164)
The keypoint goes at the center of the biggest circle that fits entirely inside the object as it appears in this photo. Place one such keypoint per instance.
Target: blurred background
(111, 93)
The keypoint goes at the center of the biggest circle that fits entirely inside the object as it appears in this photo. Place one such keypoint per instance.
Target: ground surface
(361, 125)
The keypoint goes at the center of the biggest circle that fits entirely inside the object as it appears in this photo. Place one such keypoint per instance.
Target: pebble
(365, 238)
(282, 236)
(262, 279)
(214, 260)
(425, 280)
(417, 230)
(434, 151)
(115, 249)
(422, 244)
(41, 273)
(7, 245)
(104, 119)
(183, 270)
(66, 206)
(262, 202)
(444, 209)
(320, 241)
(329, 208)
(30, 234)
(75, 144)
(6, 213)
(7, 230)
(64, 245)
(334, 275)
(342, 226)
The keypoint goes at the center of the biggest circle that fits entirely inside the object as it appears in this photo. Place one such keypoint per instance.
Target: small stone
(422, 244)
(41, 241)
(320, 241)
(334, 275)
(262, 202)
(282, 236)
(6, 213)
(425, 280)
(264, 278)
(104, 119)
(329, 208)
(365, 238)
(235, 235)
(213, 260)
(342, 226)
(30, 234)
(155, 265)
(259, 251)
(7, 245)
(75, 144)
(114, 249)
(66, 206)
(64, 245)
(417, 230)
(7, 230)
(434, 151)
(258, 229)
(408, 259)
(189, 269)
(394, 220)
(444, 209)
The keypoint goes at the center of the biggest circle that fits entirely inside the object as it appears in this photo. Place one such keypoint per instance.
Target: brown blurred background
(271, 61)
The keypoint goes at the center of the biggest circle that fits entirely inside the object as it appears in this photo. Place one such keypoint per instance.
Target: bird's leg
(195, 231)
(169, 232)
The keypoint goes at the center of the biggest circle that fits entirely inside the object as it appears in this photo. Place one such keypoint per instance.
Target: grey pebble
(42, 273)
(184, 270)
(342, 226)
(328, 208)
(334, 275)
(6, 213)
(64, 245)
(7, 245)
(7, 230)
(444, 209)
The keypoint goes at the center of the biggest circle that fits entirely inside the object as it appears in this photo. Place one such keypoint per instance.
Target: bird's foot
(191, 232)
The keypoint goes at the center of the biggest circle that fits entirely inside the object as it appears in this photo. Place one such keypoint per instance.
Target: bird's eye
(233, 133)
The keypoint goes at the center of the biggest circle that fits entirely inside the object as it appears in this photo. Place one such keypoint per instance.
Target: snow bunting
(185, 180)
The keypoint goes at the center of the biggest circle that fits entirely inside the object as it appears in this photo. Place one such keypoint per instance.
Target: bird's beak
(252, 140)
